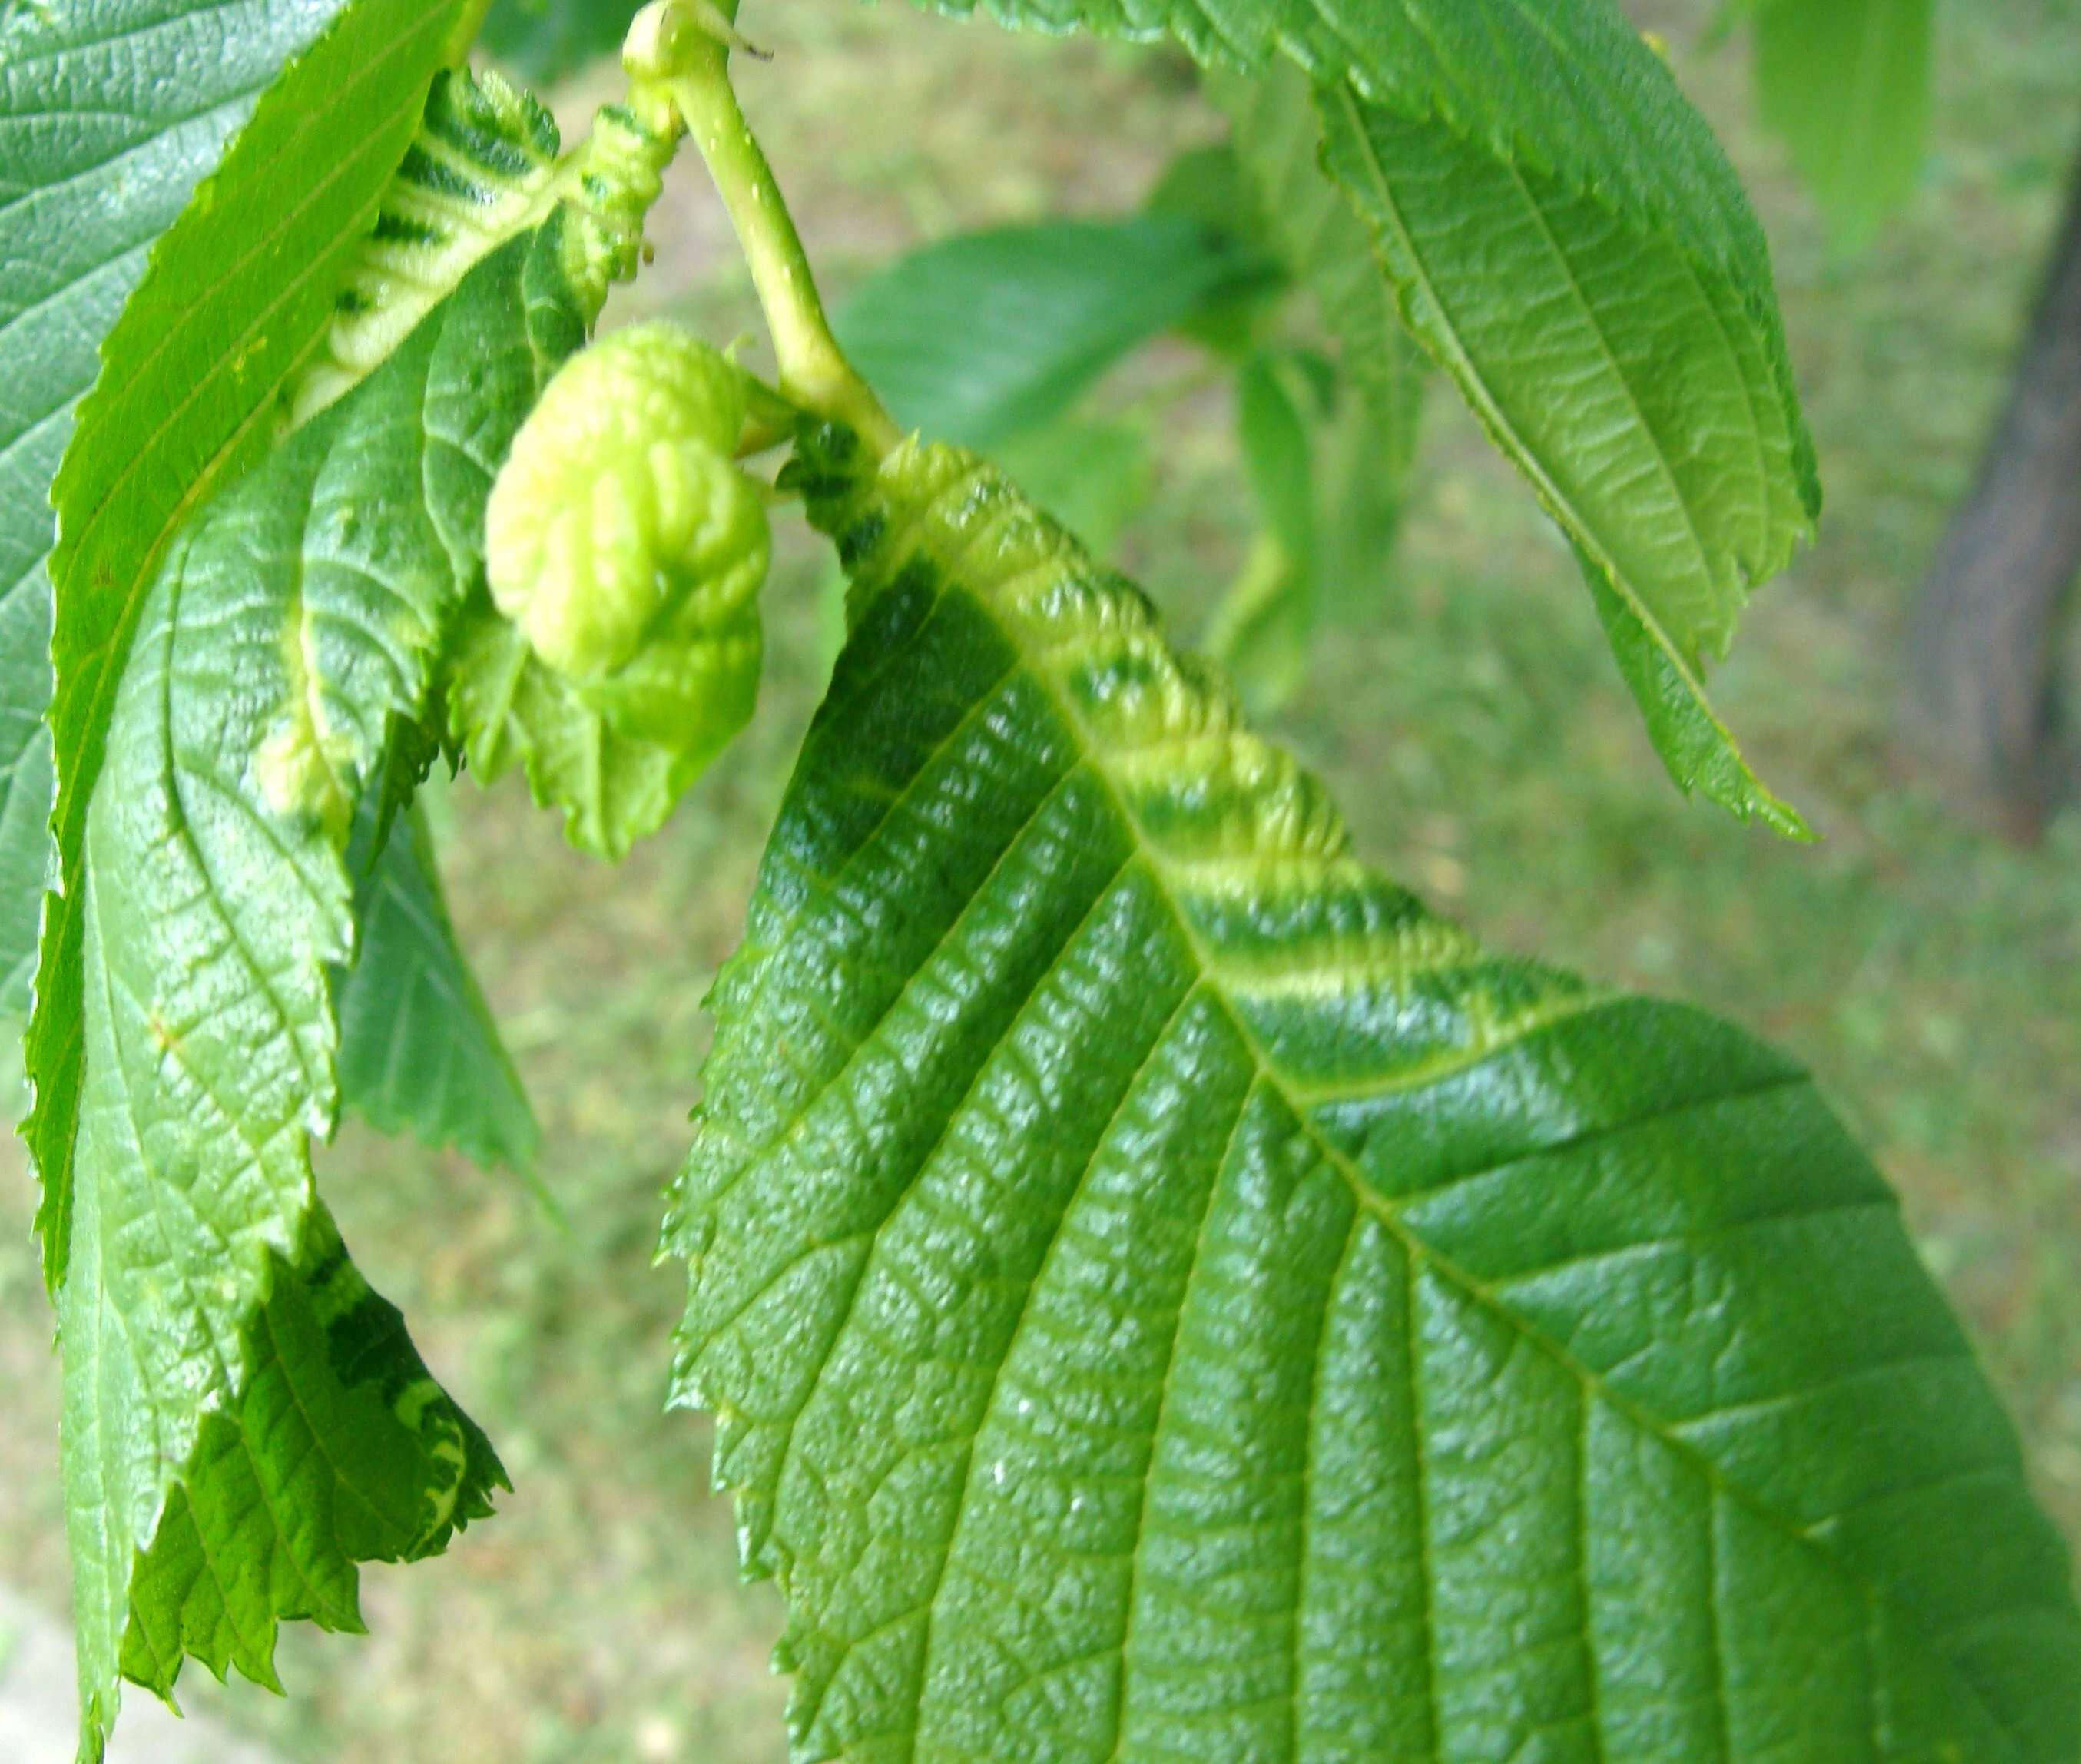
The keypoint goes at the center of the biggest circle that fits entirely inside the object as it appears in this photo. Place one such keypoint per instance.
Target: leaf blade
(219, 364)
(291, 633)
(1172, 1286)
(1849, 91)
(986, 335)
(1562, 114)
(84, 201)
(420, 1051)
(1726, 510)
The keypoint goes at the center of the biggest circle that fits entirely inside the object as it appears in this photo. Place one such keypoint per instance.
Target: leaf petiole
(681, 48)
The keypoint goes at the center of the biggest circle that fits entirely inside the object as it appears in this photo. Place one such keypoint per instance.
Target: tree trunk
(1977, 709)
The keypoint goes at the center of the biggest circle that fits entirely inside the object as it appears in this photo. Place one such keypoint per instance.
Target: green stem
(674, 45)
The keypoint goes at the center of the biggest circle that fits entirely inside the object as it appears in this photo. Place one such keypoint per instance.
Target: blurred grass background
(1478, 737)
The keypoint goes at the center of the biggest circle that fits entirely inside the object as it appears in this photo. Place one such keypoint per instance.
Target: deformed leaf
(508, 708)
(239, 297)
(1163, 1294)
(339, 1449)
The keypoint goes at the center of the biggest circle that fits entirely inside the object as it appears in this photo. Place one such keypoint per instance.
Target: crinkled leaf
(506, 709)
(237, 299)
(986, 335)
(1848, 85)
(1092, 475)
(419, 1050)
(1163, 1294)
(294, 625)
(109, 115)
(340, 1449)
(1569, 243)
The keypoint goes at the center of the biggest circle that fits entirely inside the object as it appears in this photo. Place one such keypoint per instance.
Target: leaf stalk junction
(677, 54)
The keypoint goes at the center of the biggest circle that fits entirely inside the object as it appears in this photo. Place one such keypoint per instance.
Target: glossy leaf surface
(1174, 1298)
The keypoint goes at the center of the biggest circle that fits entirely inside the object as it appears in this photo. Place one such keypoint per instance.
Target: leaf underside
(1566, 240)
(420, 1052)
(1164, 1295)
(508, 708)
(217, 1347)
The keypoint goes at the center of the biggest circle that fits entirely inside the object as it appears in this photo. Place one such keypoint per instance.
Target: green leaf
(1329, 460)
(1207, 185)
(1164, 1294)
(546, 39)
(986, 335)
(1262, 632)
(1367, 447)
(1568, 241)
(340, 1448)
(1365, 463)
(1277, 139)
(1848, 87)
(1672, 456)
(295, 626)
(109, 115)
(1276, 450)
(419, 1050)
(508, 709)
(237, 301)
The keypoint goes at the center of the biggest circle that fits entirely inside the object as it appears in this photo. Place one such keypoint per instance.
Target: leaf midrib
(1370, 1202)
